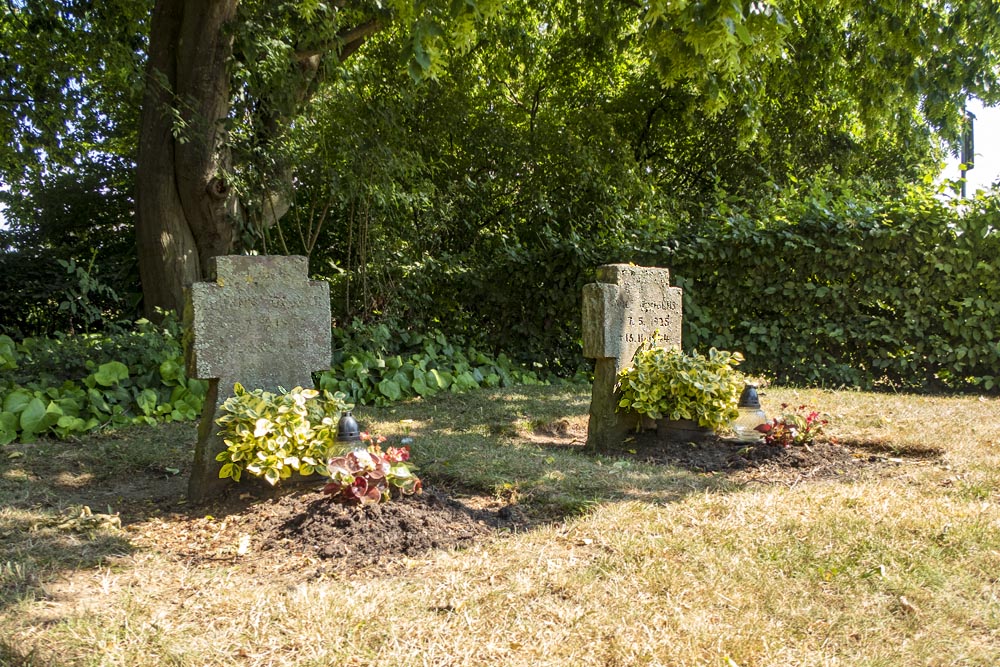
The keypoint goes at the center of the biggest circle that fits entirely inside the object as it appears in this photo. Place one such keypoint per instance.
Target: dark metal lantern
(748, 399)
(348, 429)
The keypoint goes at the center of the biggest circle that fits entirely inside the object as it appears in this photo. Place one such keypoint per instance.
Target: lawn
(890, 556)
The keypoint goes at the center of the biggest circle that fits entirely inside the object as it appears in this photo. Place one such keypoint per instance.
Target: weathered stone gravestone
(261, 323)
(627, 306)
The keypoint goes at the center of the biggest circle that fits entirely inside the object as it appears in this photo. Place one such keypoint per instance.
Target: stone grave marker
(261, 322)
(627, 306)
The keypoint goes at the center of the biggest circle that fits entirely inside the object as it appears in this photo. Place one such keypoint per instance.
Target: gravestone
(260, 322)
(627, 306)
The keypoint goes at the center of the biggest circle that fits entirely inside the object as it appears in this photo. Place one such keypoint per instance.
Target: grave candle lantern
(348, 429)
(751, 415)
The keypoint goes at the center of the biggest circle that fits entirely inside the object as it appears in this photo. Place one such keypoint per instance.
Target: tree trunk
(185, 211)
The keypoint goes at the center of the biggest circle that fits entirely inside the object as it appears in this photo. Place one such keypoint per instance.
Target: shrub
(848, 288)
(799, 427)
(378, 365)
(271, 435)
(370, 475)
(65, 385)
(669, 383)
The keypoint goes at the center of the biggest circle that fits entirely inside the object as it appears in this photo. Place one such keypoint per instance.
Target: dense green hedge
(823, 284)
(844, 290)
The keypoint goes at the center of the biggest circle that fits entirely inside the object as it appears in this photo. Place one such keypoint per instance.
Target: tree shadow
(14, 656)
(35, 547)
(528, 444)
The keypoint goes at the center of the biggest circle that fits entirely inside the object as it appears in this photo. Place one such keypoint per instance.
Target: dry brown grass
(898, 567)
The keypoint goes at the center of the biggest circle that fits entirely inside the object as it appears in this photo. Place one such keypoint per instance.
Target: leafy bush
(375, 365)
(67, 260)
(87, 298)
(370, 475)
(68, 385)
(799, 427)
(271, 435)
(669, 383)
(823, 283)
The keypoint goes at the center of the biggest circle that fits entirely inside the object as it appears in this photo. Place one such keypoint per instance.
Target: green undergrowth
(69, 385)
(375, 365)
(66, 385)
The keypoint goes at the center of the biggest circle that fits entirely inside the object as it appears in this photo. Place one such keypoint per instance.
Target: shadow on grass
(63, 503)
(13, 656)
(36, 546)
(485, 443)
(526, 444)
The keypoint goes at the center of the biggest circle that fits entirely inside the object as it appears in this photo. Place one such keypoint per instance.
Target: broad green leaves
(411, 365)
(34, 402)
(8, 354)
(17, 400)
(271, 435)
(9, 424)
(26, 415)
(666, 383)
(111, 373)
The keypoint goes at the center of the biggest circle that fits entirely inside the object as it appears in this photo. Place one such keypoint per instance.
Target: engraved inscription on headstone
(628, 306)
(261, 323)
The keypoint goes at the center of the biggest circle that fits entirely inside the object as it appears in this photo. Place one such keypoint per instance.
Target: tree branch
(345, 43)
(16, 14)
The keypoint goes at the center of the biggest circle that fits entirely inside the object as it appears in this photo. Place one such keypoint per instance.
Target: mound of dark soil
(721, 454)
(357, 536)
(741, 461)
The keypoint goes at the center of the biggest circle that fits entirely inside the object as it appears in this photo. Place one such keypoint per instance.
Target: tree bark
(186, 211)
(184, 206)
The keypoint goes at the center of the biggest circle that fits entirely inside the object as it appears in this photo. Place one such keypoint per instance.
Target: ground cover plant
(888, 555)
(667, 383)
(67, 385)
(271, 435)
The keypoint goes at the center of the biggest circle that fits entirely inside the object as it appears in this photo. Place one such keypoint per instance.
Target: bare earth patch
(304, 528)
(740, 461)
(358, 536)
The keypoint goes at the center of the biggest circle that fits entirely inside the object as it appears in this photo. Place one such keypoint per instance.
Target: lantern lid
(749, 398)
(348, 429)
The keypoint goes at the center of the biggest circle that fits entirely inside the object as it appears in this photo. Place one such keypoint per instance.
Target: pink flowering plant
(369, 475)
(798, 426)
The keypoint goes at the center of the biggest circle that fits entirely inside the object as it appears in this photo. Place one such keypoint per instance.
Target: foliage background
(788, 188)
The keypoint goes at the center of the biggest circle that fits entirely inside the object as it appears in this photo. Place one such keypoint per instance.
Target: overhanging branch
(344, 44)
